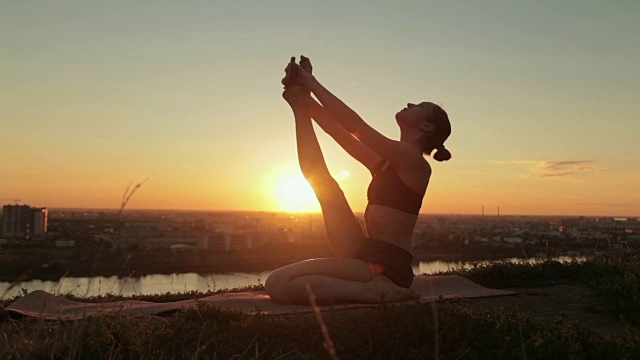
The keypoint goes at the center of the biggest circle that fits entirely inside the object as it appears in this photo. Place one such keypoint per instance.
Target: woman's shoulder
(426, 173)
(420, 167)
(427, 168)
(415, 177)
(411, 160)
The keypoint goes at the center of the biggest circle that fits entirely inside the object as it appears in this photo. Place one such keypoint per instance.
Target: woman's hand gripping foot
(296, 76)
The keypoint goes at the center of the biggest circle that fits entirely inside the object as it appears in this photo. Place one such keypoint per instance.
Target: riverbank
(53, 264)
(529, 327)
(171, 283)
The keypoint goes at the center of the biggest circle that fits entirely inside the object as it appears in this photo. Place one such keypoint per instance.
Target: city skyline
(542, 98)
(488, 214)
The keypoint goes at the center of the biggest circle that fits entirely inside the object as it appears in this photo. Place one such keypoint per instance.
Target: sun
(294, 194)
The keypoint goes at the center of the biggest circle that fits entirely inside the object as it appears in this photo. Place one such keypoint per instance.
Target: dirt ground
(572, 301)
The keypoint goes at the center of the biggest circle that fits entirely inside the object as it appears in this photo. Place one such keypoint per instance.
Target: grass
(614, 276)
(160, 298)
(446, 330)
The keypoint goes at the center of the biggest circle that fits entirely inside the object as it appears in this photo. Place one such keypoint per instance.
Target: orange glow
(294, 194)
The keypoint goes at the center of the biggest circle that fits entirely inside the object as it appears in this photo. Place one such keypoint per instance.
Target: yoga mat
(40, 304)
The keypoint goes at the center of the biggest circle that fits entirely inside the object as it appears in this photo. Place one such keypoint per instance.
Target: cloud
(609, 204)
(557, 169)
(555, 174)
(564, 168)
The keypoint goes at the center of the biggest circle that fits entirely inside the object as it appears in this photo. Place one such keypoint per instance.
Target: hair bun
(442, 154)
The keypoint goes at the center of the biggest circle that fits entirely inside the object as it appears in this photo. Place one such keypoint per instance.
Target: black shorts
(396, 260)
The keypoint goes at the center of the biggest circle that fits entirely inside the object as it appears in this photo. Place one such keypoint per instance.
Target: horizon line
(116, 209)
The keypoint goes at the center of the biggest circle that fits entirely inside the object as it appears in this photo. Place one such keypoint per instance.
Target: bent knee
(275, 285)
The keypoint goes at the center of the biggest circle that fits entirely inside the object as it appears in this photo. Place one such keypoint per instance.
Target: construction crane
(16, 201)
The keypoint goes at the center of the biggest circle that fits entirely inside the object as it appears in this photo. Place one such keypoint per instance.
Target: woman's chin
(400, 117)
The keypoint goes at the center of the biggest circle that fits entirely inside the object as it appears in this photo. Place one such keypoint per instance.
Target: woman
(369, 265)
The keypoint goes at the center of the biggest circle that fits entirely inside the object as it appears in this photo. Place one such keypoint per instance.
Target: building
(441, 223)
(24, 221)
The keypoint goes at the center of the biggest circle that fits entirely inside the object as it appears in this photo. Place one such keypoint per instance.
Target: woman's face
(414, 115)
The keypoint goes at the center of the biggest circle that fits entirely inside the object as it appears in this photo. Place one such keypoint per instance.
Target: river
(174, 283)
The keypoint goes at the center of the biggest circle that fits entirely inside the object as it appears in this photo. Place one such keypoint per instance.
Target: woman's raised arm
(354, 147)
(400, 154)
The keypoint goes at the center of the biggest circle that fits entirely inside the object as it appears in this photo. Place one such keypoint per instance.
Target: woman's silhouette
(370, 265)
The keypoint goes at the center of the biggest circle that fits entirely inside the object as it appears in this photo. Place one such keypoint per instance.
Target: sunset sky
(543, 96)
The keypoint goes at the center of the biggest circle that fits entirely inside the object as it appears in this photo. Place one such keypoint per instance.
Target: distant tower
(498, 210)
(482, 210)
(24, 221)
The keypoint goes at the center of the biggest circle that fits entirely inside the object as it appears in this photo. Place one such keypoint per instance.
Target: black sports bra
(387, 189)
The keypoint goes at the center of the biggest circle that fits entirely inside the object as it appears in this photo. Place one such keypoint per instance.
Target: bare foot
(390, 292)
(293, 93)
(305, 63)
(289, 72)
(296, 75)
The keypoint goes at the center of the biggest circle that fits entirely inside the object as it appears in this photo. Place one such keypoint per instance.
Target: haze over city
(542, 96)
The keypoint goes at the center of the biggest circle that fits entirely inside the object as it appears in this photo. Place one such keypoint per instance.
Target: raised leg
(345, 234)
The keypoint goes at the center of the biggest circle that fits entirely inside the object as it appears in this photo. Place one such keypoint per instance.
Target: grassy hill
(446, 330)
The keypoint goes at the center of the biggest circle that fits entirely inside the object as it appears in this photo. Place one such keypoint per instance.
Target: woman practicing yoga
(370, 265)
